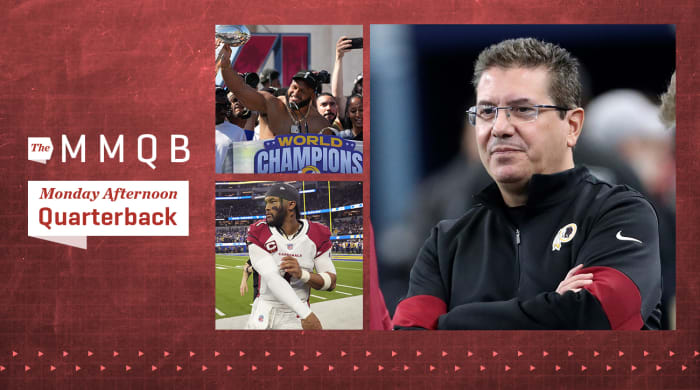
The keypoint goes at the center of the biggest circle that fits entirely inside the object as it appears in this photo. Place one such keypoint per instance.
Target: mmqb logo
(307, 153)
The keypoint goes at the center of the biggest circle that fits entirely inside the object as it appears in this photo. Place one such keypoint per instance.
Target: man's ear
(575, 120)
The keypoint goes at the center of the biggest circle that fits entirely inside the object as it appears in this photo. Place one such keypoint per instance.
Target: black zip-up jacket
(498, 267)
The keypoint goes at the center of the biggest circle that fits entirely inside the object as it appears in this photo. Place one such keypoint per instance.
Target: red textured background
(141, 307)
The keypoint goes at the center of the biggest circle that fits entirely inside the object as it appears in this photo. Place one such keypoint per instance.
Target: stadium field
(229, 269)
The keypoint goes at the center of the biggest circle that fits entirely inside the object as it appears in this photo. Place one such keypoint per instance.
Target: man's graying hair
(668, 103)
(565, 85)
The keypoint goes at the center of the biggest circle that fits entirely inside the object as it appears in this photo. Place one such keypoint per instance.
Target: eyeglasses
(487, 115)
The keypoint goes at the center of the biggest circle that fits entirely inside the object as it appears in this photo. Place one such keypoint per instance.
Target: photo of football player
(292, 257)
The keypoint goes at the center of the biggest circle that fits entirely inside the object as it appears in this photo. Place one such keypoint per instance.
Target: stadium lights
(333, 238)
(334, 209)
(220, 183)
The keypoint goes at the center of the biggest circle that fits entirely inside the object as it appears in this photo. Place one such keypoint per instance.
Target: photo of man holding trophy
(290, 113)
(298, 56)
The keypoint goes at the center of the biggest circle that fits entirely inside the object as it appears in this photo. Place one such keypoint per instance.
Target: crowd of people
(228, 234)
(348, 225)
(252, 107)
(348, 246)
(239, 207)
(341, 223)
(316, 197)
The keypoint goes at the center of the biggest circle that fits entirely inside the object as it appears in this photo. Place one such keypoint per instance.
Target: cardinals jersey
(310, 246)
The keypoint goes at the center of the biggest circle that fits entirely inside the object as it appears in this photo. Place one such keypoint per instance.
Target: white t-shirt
(256, 133)
(226, 134)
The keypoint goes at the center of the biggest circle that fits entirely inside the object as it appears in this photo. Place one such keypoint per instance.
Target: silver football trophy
(234, 35)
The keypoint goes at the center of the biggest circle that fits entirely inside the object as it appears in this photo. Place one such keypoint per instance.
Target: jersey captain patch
(564, 235)
(271, 246)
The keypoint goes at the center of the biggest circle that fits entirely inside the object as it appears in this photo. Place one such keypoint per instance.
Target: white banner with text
(107, 208)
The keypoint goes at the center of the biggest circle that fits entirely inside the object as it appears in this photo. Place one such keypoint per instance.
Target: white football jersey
(310, 244)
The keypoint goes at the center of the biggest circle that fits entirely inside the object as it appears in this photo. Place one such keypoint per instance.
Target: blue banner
(308, 153)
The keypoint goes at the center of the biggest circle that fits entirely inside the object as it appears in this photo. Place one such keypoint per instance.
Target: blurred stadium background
(337, 205)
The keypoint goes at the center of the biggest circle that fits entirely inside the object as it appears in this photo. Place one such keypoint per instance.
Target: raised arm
(342, 47)
(248, 96)
(251, 122)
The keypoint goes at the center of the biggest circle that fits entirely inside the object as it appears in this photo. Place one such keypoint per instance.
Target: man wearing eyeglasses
(548, 246)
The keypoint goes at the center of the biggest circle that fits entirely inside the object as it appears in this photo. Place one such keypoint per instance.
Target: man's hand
(291, 266)
(342, 47)
(251, 122)
(244, 287)
(224, 56)
(574, 282)
(327, 131)
(311, 323)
